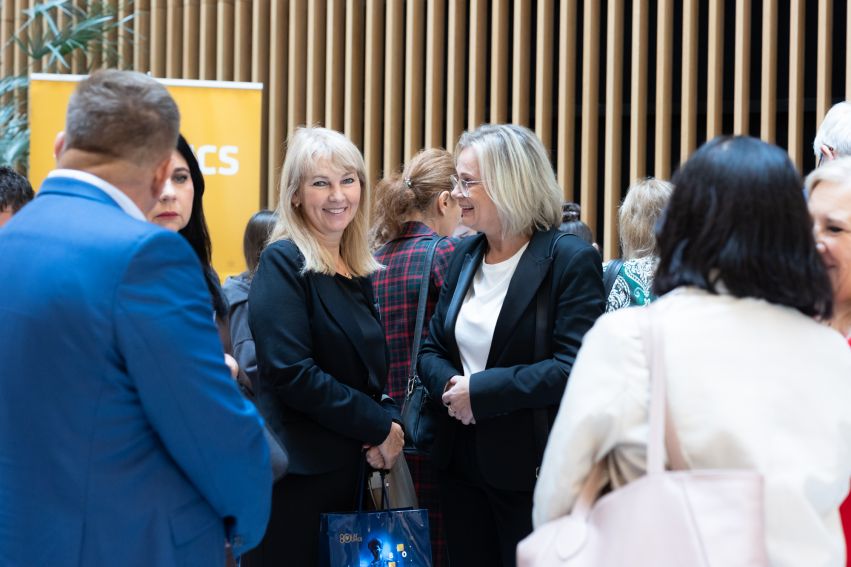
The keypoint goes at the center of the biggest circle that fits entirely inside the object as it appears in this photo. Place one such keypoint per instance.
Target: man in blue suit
(123, 439)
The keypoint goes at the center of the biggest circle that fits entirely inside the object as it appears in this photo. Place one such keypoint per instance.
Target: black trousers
(292, 535)
(483, 524)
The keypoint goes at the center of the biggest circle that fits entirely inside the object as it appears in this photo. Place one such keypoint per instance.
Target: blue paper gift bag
(388, 538)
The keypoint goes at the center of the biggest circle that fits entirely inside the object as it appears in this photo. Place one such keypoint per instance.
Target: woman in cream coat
(754, 380)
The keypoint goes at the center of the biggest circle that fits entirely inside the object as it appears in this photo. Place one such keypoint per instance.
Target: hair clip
(408, 183)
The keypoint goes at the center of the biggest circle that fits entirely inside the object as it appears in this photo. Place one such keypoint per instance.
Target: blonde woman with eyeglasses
(517, 299)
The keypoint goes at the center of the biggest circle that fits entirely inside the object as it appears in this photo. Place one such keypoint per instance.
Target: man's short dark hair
(15, 190)
(737, 220)
(122, 114)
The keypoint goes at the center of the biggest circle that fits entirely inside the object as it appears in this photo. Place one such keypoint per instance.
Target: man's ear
(58, 145)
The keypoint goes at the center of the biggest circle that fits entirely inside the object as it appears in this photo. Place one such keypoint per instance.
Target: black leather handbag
(418, 417)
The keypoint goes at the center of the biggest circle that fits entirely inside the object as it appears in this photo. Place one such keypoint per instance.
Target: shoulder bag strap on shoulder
(542, 325)
(425, 278)
(611, 275)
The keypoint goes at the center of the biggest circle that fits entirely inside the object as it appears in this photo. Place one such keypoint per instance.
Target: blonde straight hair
(305, 148)
(517, 175)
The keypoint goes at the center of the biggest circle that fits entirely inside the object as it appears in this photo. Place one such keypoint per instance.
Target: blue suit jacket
(123, 439)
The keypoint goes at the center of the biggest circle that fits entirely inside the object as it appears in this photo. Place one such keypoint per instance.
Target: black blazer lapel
(531, 271)
(341, 312)
(472, 260)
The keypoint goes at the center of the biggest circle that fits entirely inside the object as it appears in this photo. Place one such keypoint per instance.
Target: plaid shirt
(397, 290)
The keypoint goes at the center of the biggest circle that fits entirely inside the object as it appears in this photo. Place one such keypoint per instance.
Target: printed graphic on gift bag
(389, 538)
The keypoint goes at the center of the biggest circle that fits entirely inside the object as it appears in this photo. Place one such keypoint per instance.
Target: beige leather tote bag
(684, 518)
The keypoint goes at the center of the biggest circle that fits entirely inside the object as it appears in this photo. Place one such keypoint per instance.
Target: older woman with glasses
(517, 299)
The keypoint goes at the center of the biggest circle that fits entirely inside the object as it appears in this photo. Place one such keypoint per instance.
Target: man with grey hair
(833, 138)
(123, 438)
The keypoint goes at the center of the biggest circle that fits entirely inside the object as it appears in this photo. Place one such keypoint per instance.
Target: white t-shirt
(480, 310)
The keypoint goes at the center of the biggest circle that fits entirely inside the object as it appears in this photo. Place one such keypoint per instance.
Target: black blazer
(514, 384)
(318, 386)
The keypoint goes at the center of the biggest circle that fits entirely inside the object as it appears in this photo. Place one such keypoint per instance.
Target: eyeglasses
(464, 184)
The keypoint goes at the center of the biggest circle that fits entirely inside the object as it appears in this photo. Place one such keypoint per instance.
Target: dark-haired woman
(236, 289)
(755, 381)
(413, 208)
(180, 208)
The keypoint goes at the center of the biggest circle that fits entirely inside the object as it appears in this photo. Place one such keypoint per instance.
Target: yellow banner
(222, 123)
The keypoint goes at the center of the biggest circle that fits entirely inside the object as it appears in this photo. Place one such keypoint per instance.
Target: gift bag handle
(385, 499)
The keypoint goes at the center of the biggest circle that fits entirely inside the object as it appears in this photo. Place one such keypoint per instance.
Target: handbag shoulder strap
(425, 278)
(612, 271)
(663, 436)
(542, 325)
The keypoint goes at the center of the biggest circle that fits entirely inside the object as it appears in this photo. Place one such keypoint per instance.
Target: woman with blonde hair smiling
(321, 352)
(517, 299)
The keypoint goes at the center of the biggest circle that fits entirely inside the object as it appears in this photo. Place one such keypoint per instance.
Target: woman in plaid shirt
(412, 208)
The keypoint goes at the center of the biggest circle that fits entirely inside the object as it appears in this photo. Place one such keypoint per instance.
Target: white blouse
(480, 310)
(750, 385)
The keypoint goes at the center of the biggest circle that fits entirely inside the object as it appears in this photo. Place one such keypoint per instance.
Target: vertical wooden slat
(521, 80)
(664, 78)
(374, 89)
(191, 39)
(566, 98)
(174, 40)
(688, 124)
(124, 44)
(499, 61)
(207, 47)
(638, 91)
(544, 73)
(159, 39)
(768, 110)
(742, 78)
(715, 78)
(336, 90)
(79, 63)
(142, 35)
(825, 46)
(355, 56)
(435, 69)
(297, 65)
(273, 122)
(614, 118)
(455, 72)
(316, 62)
(590, 118)
(847, 59)
(242, 45)
(478, 63)
(224, 40)
(7, 49)
(394, 85)
(797, 25)
(414, 76)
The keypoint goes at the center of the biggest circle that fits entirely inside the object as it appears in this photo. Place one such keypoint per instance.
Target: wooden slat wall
(623, 102)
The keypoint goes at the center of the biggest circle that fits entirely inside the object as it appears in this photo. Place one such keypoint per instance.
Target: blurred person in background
(236, 288)
(571, 223)
(833, 138)
(413, 207)
(499, 383)
(321, 355)
(629, 280)
(15, 192)
(742, 293)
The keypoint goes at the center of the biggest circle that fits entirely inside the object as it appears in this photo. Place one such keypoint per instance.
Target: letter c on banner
(202, 152)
